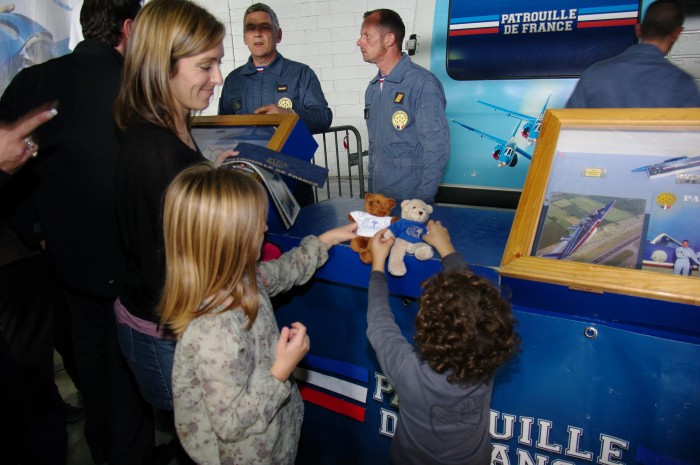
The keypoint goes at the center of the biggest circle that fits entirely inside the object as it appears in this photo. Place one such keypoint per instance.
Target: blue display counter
(600, 378)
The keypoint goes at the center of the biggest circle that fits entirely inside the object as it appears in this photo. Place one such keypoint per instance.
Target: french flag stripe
(457, 27)
(329, 383)
(608, 16)
(333, 404)
(618, 22)
(469, 32)
(344, 369)
(608, 9)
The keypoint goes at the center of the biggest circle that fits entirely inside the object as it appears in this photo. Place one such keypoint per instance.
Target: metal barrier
(350, 148)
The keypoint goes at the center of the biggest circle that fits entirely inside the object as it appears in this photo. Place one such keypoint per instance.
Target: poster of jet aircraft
(533, 124)
(506, 152)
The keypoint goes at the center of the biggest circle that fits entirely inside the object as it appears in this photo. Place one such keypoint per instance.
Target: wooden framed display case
(282, 133)
(610, 196)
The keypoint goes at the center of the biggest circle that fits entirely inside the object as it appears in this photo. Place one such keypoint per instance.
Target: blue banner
(506, 39)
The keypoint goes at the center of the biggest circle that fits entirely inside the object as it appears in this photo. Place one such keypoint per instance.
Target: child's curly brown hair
(464, 325)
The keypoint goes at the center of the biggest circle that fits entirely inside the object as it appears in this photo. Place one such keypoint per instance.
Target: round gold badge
(665, 200)
(285, 103)
(399, 119)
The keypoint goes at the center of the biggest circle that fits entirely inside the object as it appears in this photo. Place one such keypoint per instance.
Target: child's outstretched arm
(340, 234)
(299, 264)
(391, 348)
(381, 246)
(292, 345)
(439, 237)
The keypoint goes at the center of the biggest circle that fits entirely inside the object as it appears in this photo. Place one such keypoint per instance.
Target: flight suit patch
(399, 120)
(285, 103)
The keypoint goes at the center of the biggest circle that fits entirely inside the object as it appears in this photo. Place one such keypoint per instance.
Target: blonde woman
(170, 71)
(234, 394)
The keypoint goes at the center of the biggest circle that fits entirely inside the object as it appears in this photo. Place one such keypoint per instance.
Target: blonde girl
(234, 395)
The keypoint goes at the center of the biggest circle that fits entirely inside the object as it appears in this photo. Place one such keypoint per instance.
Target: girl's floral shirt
(229, 409)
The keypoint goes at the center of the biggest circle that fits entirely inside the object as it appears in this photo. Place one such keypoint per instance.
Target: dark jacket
(71, 182)
(150, 158)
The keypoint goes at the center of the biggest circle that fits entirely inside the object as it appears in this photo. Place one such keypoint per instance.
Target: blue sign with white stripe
(507, 39)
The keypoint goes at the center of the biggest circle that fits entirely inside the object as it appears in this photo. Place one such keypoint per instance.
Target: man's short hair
(255, 7)
(662, 18)
(390, 21)
(103, 19)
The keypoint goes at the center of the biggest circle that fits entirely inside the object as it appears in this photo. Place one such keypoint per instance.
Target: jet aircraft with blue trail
(507, 151)
(582, 231)
(532, 127)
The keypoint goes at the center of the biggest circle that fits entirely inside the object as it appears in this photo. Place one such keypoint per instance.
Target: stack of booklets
(269, 166)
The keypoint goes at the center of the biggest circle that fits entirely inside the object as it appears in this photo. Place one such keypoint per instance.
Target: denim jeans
(151, 361)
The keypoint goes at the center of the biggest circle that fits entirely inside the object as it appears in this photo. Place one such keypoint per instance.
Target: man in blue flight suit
(684, 255)
(640, 77)
(269, 83)
(409, 140)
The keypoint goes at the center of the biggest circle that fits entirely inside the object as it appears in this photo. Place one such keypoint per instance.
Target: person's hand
(381, 246)
(337, 235)
(223, 155)
(439, 237)
(292, 345)
(16, 143)
(272, 109)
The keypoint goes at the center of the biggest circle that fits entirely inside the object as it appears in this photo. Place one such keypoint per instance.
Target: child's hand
(381, 246)
(337, 235)
(292, 345)
(439, 237)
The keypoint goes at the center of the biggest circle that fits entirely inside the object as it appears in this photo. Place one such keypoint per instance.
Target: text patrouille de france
(538, 21)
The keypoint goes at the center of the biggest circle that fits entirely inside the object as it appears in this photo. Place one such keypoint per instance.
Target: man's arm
(577, 98)
(434, 137)
(314, 111)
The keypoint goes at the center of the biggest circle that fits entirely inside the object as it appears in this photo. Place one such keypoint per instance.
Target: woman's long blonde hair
(214, 222)
(164, 32)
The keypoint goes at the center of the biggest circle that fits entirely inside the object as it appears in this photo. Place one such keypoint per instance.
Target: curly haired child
(234, 395)
(464, 332)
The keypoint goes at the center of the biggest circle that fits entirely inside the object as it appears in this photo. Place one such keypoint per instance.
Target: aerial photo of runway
(593, 229)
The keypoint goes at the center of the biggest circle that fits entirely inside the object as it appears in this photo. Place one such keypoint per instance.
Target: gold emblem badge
(285, 103)
(665, 200)
(399, 119)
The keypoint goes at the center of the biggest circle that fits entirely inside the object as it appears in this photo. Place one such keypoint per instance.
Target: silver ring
(30, 143)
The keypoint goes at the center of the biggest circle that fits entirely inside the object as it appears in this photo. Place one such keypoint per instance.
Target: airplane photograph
(599, 230)
(581, 232)
(533, 124)
(506, 152)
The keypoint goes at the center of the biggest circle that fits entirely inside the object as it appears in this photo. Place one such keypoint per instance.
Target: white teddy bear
(408, 232)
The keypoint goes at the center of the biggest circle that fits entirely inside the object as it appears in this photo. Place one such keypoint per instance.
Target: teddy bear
(375, 217)
(408, 232)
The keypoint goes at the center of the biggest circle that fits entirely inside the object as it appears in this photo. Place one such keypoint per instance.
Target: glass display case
(612, 204)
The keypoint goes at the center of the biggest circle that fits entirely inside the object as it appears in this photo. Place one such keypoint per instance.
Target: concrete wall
(321, 34)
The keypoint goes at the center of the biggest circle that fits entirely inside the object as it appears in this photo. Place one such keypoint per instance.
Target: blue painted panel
(622, 397)
(631, 394)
